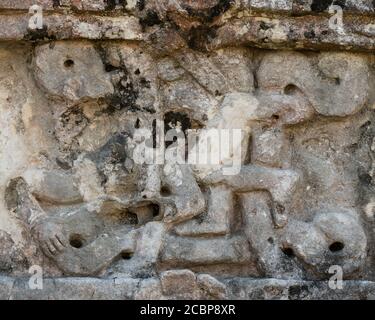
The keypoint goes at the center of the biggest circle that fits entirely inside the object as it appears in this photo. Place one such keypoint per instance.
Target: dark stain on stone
(298, 292)
(111, 4)
(63, 164)
(145, 83)
(113, 152)
(341, 3)
(151, 19)
(73, 116)
(141, 4)
(210, 14)
(264, 26)
(125, 97)
(309, 34)
(199, 37)
(220, 8)
(56, 3)
(174, 119)
(365, 179)
(38, 35)
(125, 94)
(171, 119)
(322, 5)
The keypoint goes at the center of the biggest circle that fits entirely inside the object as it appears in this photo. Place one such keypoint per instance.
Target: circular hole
(270, 240)
(69, 63)
(126, 255)
(275, 117)
(288, 252)
(76, 241)
(290, 89)
(336, 246)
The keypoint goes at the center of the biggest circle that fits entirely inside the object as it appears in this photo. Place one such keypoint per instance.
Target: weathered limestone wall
(77, 94)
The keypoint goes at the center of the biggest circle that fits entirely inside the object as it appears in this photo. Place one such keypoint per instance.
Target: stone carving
(78, 202)
(93, 229)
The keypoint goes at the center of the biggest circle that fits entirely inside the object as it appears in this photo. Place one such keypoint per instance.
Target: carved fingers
(51, 237)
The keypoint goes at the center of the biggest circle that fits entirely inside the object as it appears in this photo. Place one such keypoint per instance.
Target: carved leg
(98, 255)
(282, 184)
(260, 232)
(185, 192)
(146, 255)
(217, 219)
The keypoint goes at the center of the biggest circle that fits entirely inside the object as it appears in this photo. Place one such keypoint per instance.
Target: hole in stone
(165, 191)
(336, 246)
(76, 241)
(155, 210)
(137, 124)
(270, 240)
(109, 68)
(288, 252)
(69, 63)
(275, 117)
(290, 89)
(129, 218)
(338, 81)
(126, 255)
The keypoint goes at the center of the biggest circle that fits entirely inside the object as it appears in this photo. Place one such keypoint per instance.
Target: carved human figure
(321, 89)
(87, 240)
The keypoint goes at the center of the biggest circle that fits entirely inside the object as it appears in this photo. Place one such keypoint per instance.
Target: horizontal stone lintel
(292, 7)
(244, 29)
(127, 289)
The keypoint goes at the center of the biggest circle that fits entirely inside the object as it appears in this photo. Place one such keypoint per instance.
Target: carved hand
(50, 235)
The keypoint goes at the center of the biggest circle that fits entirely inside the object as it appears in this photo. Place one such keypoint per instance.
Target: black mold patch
(151, 19)
(125, 94)
(172, 119)
(111, 4)
(212, 13)
(145, 83)
(220, 8)
(38, 35)
(141, 4)
(322, 5)
(125, 97)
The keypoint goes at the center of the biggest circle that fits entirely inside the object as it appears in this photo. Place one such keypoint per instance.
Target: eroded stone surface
(78, 96)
